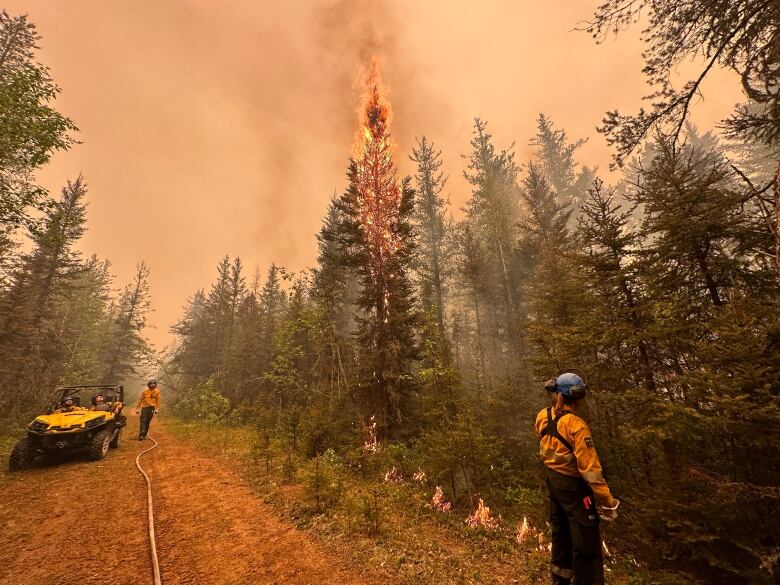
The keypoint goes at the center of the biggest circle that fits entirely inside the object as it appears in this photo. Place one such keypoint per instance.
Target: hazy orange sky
(213, 128)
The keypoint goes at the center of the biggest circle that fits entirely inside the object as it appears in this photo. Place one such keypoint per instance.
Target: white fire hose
(150, 515)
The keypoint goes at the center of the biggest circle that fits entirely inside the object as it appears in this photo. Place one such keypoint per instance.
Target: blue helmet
(570, 385)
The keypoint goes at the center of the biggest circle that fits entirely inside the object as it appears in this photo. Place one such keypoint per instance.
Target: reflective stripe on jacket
(583, 461)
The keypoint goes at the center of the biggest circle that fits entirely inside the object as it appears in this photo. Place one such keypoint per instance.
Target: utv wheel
(21, 456)
(114, 444)
(99, 446)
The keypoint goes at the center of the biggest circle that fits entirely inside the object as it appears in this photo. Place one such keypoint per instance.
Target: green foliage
(463, 458)
(417, 342)
(31, 128)
(740, 35)
(203, 403)
(57, 314)
(322, 481)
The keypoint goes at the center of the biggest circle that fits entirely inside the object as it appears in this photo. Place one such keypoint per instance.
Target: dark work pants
(147, 412)
(576, 539)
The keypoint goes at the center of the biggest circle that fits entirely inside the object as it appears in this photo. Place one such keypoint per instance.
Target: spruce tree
(86, 318)
(556, 157)
(472, 265)
(28, 350)
(493, 212)
(376, 227)
(609, 257)
(695, 216)
(434, 245)
(129, 322)
(334, 288)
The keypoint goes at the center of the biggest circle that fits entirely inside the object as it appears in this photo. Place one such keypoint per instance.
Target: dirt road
(84, 523)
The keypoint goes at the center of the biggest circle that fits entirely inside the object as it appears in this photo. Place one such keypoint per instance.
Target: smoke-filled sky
(212, 128)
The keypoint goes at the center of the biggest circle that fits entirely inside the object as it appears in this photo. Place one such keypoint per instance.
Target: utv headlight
(38, 425)
(94, 421)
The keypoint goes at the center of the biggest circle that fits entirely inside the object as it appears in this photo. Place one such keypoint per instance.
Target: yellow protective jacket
(581, 460)
(149, 397)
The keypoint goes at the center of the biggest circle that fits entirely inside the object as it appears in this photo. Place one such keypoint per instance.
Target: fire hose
(150, 515)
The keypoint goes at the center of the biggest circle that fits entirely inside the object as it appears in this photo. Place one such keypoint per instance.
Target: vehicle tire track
(75, 522)
(79, 522)
(213, 530)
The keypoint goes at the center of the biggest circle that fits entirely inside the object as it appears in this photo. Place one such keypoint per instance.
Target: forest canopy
(428, 332)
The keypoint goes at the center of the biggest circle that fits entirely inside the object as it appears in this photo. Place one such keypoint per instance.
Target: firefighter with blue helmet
(579, 495)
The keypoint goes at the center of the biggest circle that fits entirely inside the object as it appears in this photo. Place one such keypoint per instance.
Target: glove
(608, 514)
(156, 412)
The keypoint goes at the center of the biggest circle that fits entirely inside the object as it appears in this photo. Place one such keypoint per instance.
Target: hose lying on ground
(150, 515)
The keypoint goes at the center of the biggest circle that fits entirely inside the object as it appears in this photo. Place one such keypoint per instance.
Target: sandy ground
(82, 523)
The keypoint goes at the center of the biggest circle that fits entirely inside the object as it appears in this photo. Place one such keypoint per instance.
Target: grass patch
(390, 527)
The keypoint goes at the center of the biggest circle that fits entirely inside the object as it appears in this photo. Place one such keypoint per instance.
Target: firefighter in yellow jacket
(579, 496)
(148, 405)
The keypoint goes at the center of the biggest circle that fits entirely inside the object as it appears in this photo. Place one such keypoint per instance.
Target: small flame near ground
(522, 531)
(393, 476)
(481, 518)
(419, 476)
(371, 444)
(439, 502)
(526, 532)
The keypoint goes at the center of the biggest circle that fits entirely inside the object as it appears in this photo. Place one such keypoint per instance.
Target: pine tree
(28, 351)
(432, 267)
(472, 266)
(376, 228)
(609, 258)
(129, 322)
(556, 156)
(493, 212)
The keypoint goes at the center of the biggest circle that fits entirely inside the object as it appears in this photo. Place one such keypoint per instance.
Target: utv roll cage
(111, 393)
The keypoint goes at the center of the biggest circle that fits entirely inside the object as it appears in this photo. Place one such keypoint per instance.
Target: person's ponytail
(557, 404)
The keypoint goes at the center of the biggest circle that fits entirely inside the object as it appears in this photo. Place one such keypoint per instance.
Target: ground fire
(481, 518)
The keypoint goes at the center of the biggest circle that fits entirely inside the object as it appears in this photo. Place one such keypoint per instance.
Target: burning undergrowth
(481, 518)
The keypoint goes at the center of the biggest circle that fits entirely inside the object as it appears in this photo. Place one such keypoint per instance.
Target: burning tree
(376, 233)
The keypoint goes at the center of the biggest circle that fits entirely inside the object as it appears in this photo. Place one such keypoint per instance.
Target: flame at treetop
(377, 187)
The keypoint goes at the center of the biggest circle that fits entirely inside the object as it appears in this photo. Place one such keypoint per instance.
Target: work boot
(558, 579)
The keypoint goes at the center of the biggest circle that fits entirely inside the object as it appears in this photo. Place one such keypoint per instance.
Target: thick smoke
(213, 128)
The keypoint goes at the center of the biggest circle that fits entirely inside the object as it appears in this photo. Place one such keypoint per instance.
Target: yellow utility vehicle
(77, 421)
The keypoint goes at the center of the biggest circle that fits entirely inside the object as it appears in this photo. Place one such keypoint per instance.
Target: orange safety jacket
(149, 397)
(566, 446)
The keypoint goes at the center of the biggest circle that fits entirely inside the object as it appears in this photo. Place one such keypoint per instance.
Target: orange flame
(371, 444)
(522, 531)
(373, 105)
(393, 476)
(439, 502)
(377, 186)
(481, 518)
